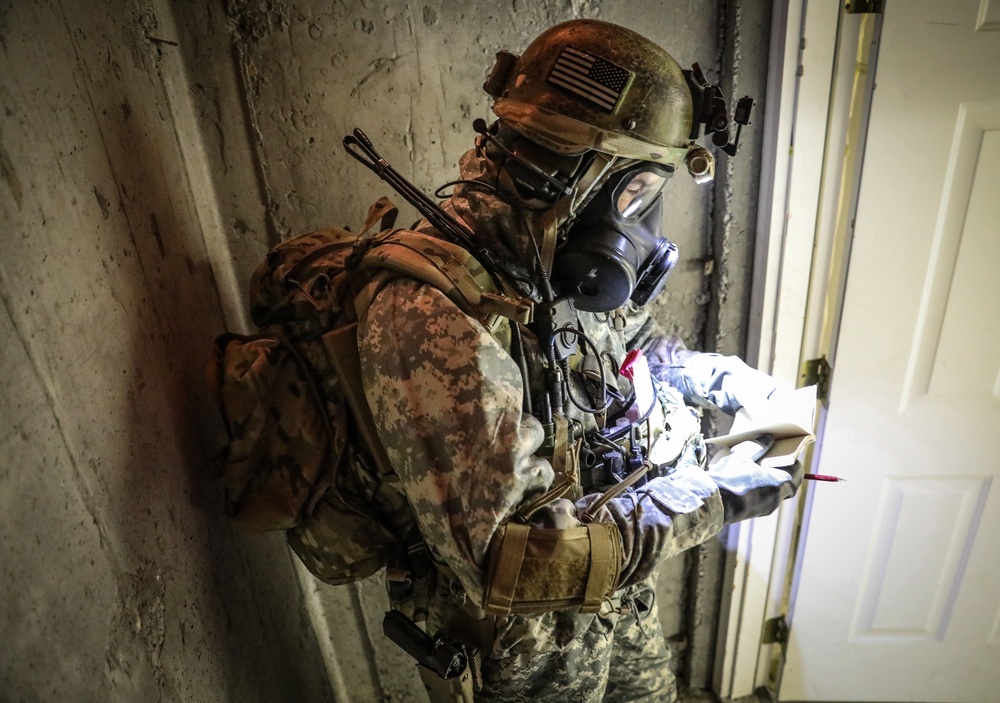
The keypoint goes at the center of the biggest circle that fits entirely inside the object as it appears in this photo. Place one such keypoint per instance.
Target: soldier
(549, 467)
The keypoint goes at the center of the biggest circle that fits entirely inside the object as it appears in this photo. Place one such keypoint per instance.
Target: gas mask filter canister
(615, 251)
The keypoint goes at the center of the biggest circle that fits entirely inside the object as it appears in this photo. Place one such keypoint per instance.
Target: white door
(898, 595)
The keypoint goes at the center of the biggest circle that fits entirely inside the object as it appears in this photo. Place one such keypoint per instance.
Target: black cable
(517, 349)
(565, 366)
(601, 439)
(622, 431)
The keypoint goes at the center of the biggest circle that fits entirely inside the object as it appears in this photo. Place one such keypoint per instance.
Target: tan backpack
(302, 453)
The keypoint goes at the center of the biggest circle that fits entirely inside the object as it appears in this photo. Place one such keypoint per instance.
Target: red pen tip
(822, 477)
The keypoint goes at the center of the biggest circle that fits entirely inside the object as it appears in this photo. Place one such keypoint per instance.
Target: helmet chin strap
(543, 226)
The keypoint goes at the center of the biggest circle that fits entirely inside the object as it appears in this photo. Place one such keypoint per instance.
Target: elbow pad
(535, 570)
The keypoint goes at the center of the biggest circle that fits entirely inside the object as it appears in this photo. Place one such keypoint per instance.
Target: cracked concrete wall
(151, 152)
(120, 580)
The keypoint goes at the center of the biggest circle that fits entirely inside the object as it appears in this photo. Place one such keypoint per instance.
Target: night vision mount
(710, 110)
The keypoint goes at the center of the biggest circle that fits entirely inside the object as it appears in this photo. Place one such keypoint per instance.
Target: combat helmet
(592, 85)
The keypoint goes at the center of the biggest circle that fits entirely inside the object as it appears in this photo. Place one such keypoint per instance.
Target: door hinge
(817, 372)
(861, 7)
(775, 631)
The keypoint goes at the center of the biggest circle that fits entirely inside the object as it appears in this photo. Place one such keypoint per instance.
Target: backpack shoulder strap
(446, 266)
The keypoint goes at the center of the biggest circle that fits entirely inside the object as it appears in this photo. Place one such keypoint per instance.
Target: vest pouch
(533, 570)
(345, 537)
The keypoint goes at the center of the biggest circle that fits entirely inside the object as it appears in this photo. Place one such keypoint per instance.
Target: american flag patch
(591, 77)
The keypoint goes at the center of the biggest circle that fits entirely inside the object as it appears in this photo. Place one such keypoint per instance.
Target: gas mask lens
(639, 189)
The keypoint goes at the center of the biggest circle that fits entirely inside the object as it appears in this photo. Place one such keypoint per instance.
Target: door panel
(898, 594)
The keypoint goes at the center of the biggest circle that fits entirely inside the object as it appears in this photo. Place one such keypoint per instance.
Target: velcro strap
(518, 310)
(548, 228)
(510, 555)
(601, 562)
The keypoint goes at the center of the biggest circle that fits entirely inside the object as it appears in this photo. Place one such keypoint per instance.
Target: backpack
(301, 452)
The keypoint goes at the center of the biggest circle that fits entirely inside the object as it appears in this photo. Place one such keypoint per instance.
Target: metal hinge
(861, 7)
(817, 372)
(775, 630)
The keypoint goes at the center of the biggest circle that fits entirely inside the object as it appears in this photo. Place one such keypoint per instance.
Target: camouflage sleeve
(446, 398)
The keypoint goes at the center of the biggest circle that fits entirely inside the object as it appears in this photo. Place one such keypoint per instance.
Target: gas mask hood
(615, 251)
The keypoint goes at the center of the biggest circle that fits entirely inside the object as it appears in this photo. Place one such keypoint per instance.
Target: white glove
(748, 489)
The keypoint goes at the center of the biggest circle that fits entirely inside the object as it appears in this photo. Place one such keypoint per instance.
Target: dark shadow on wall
(206, 592)
(186, 608)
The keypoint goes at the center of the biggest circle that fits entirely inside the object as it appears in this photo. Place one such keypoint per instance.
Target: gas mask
(615, 251)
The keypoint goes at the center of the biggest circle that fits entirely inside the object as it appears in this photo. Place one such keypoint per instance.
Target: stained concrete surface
(150, 152)
(121, 580)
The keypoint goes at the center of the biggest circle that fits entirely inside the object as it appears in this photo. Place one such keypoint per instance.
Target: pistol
(444, 659)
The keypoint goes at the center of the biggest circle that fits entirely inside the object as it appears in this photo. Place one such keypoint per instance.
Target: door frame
(818, 100)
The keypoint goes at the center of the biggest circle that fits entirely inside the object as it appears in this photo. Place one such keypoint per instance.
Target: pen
(822, 477)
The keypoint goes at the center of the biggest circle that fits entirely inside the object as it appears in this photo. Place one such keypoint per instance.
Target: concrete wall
(150, 153)
(119, 578)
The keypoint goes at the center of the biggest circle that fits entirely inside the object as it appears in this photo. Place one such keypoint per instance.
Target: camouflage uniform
(447, 400)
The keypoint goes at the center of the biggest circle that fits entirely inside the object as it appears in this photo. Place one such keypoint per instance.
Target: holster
(454, 689)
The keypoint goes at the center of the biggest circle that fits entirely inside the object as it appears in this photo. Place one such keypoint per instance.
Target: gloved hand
(748, 489)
